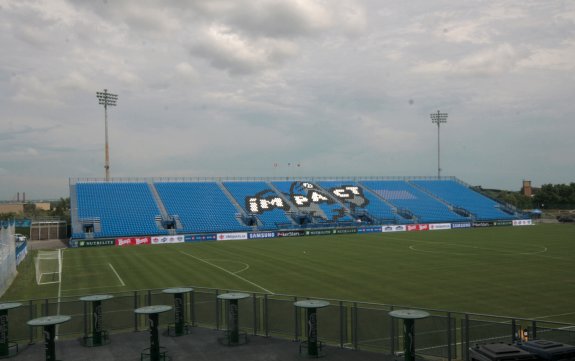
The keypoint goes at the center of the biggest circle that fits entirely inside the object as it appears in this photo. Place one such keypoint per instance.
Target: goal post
(48, 267)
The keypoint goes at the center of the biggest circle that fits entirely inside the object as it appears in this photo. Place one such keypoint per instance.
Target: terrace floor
(201, 344)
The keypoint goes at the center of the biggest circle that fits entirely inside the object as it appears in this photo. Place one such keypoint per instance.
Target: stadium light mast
(438, 118)
(107, 100)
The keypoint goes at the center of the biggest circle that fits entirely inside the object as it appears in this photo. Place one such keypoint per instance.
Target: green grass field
(511, 271)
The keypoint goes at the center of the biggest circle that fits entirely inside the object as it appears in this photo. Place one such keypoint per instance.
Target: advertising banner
(168, 239)
(369, 229)
(396, 228)
(200, 237)
(502, 223)
(417, 227)
(522, 222)
(461, 225)
(439, 226)
(345, 230)
(482, 224)
(96, 242)
(291, 234)
(256, 235)
(132, 241)
(319, 232)
(232, 236)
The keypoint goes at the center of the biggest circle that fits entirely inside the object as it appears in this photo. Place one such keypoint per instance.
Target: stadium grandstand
(169, 207)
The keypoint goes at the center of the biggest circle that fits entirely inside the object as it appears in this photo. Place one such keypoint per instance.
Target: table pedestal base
(92, 341)
(317, 348)
(233, 338)
(11, 350)
(173, 330)
(147, 355)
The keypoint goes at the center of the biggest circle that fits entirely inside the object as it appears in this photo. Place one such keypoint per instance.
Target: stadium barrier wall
(7, 255)
(346, 324)
(146, 240)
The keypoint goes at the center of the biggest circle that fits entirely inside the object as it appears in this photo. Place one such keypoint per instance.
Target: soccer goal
(48, 267)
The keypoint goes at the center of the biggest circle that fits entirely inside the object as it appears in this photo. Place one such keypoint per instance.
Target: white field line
(228, 272)
(117, 275)
(549, 316)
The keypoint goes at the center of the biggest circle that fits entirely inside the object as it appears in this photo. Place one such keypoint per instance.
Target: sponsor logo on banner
(482, 224)
(345, 230)
(262, 235)
(522, 222)
(318, 232)
(291, 234)
(400, 228)
(200, 237)
(417, 227)
(232, 236)
(369, 229)
(96, 242)
(167, 239)
(132, 241)
(461, 225)
(502, 223)
(439, 226)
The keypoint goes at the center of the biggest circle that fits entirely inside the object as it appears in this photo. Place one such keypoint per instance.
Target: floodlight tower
(107, 99)
(438, 118)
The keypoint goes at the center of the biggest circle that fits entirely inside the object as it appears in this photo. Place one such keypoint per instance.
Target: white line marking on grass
(90, 288)
(549, 316)
(228, 272)
(246, 266)
(117, 275)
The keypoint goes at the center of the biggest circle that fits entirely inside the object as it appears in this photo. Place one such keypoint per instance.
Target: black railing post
(354, 326)
(342, 324)
(449, 341)
(136, 306)
(392, 323)
(296, 323)
(217, 309)
(467, 345)
(193, 308)
(255, 309)
(266, 316)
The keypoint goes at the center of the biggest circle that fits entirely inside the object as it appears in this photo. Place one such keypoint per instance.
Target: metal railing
(347, 324)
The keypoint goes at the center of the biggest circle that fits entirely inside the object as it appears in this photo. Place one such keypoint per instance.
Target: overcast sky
(233, 87)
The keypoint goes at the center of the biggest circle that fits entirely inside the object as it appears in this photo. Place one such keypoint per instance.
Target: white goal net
(48, 267)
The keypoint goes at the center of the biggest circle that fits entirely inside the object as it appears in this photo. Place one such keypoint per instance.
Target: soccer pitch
(524, 272)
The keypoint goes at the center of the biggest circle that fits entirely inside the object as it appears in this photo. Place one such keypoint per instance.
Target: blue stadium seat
(461, 196)
(201, 206)
(402, 195)
(123, 208)
(250, 195)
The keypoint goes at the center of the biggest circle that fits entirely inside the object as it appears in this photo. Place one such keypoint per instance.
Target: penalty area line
(117, 275)
(228, 272)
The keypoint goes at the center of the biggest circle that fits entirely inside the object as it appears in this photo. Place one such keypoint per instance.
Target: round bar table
(4, 341)
(409, 317)
(98, 334)
(311, 307)
(233, 332)
(179, 309)
(49, 323)
(153, 312)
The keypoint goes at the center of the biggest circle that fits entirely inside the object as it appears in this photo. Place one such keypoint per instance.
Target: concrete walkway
(201, 344)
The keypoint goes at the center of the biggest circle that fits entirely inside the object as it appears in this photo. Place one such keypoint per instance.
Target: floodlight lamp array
(107, 99)
(437, 118)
